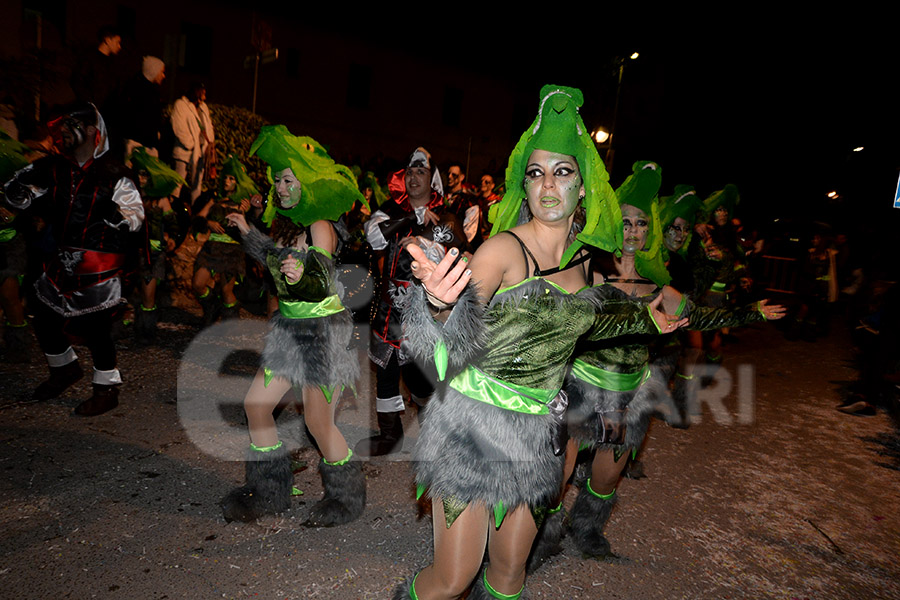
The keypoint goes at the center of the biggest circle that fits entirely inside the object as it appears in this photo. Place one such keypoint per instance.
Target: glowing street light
(600, 135)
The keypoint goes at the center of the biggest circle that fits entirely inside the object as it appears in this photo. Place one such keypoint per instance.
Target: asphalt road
(773, 495)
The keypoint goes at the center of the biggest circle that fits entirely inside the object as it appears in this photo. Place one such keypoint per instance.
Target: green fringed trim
(601, 496)
(412, 588)
(681, 306)
(295, 491)
(718, 286)
(145, 309)
(232, 305)
(553, 511)
(618, 453)
(329, 392)
(584, 446)
(156, 245)
(496, 594)
(222, 238)
(452, 509)
(205, 294)
(342, 462)
(267, 376)
(420, 489)
(634, 454)
(499, 513)
(256, 448)
(688, 377)
(440, 359)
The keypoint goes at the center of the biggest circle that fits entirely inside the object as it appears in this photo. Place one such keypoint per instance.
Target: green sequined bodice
(624, 354)
(532, 328)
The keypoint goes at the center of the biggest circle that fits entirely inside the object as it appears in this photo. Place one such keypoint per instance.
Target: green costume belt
(477, 385)
(223, 238)
(718, 286)
(7, 234)
(607, 380)
(308, 310)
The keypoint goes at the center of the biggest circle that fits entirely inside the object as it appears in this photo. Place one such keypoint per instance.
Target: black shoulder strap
(526, 254)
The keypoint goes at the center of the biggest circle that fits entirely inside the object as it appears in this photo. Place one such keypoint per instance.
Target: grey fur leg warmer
(345, 495)
(463, 333)
(588, 518)
(268, 487)
(548, 541)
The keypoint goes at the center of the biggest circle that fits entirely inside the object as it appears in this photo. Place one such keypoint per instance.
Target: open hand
(238, 220)
(666, 323)
(771, 312)
(441, 282)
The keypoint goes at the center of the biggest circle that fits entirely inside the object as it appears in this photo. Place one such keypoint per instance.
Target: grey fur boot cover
(588, 518)
(268, 487)
(345, 495)
(548, 541)
(401, 592)
(463, 333)
(585, 400)
(479, 592)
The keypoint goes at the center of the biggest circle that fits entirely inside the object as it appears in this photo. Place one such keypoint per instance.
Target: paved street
(801, 503)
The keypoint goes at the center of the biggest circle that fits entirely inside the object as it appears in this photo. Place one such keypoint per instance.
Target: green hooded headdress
(328, 189)
(558, 128)
(682, 203)
(244, 189)
(728, 197)
(640, 190)
(369, 180)
(162, 179)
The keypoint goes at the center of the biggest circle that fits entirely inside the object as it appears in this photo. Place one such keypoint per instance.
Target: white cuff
(389, 405)
(107, 377)
(61, 360)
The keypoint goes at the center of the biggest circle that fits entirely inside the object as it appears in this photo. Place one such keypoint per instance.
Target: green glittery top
(533, 328)
(316, 283)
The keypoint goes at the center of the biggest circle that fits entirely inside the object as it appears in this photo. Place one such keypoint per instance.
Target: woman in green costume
(613, 391)
(221, 260)
(308, 345)
(157, 182)
(490, 451)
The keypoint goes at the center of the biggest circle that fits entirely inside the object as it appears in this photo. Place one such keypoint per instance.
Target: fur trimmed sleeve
(452, 344)
(258, 245)
(702, 318)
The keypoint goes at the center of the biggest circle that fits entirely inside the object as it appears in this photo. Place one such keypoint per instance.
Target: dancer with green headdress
(308, 345)
(157, 182)
(221, 259)
(613, 390)
(490, 451)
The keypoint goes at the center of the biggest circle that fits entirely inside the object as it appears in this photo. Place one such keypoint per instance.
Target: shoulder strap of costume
(526, 253)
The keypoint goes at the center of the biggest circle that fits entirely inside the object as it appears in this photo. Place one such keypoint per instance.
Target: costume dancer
(90, 204)
(613, 390)
(490, 450)
(307, 347)
(221, 259)
(157, 183)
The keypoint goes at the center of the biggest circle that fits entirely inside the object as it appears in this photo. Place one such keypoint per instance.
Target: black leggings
(387, 379)
(53, 331)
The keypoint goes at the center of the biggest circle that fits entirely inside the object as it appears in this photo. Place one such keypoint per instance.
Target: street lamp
(620, 62)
